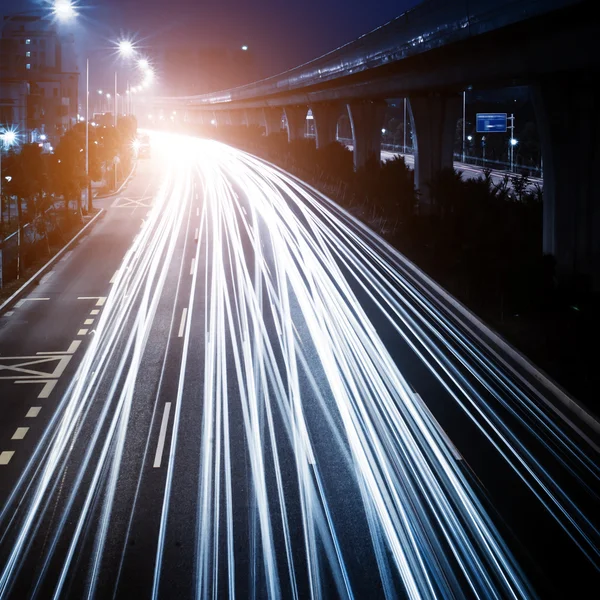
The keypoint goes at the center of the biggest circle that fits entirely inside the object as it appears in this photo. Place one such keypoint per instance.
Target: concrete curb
(32, 280)
(477, 327)
(127, 180)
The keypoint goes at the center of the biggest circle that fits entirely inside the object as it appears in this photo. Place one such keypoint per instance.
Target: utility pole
(512, 141)
(404, 130)
(464, 124)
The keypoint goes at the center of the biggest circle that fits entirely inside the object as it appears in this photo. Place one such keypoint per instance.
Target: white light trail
(306, 429)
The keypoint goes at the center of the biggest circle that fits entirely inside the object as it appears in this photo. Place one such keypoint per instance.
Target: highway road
(231, 388)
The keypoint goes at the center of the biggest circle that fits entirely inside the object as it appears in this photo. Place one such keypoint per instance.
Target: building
(38, 79)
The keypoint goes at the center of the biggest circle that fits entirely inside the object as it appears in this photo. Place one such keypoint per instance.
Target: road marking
(48, 385)
(193, 266)
(197, 211)
(162, 435)
(453, 450)
(182, 324)
(8, 313)
(66, 256)
(100, 299)
(46, 277)
(20, 433)
(21, 302)
(88, 321)
(114, 277)
(17, 370)
(70, 350)
(82, 332)
(244, 211)
(34, 411)
(5, 456)
(196, 235)
(94, 312)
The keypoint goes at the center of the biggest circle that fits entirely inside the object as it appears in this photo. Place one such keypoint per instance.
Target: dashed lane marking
(162, 435)
(5, 456)
(94, 312)
(193, 267)
(34, 411)
(46, 390)
(82, 332)
(20, 433)
(100, 300)
(88, 321)
(182, 324)
(114, 277)
(196, 235)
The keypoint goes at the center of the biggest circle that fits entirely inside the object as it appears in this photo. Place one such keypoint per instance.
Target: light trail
(300, 458)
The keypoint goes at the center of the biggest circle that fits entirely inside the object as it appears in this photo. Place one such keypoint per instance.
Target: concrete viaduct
(430, 55)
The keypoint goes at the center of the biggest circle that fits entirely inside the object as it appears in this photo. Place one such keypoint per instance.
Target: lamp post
(8, 137)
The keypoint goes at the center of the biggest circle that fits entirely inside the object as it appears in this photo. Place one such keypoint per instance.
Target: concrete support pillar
(236, 117)
(254, 116)
(272, 120)
(433, 119)
(296, 122)
(568, 113)
(366, 119)
(326, 117)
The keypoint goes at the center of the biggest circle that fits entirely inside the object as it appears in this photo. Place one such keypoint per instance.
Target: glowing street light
(143, 64)
(513, 142)
(126, 48)
(64, 10)
(8, 137)
(244, 48)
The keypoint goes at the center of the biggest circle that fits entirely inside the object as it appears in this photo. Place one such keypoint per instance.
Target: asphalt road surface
(231, 388)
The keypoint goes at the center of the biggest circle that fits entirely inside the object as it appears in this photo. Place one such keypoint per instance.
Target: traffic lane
(480, 456)
(91, 434)
(64, 307)
(144, 511)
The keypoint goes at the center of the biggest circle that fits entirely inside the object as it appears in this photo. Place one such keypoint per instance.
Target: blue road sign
(491, 122)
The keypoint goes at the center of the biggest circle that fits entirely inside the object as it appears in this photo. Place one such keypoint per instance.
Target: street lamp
(64, 10)
(126, 48)
(512, 142)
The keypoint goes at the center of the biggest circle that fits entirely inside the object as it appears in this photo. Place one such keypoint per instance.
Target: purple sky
(282, 33)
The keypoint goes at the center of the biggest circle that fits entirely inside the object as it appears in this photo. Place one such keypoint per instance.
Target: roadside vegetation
(41, 204)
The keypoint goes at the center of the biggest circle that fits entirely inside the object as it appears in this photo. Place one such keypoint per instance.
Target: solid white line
(182, 324)
(193, 266)
(88, 321)
(34, 411)
(82, 332)
(20, 433)
(162, 435)
(114, 277)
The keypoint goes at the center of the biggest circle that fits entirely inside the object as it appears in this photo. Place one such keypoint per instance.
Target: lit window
(27, 54)
(28, 66)
(28, 41)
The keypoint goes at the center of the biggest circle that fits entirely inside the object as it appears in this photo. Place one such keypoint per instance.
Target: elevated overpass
(430, 55)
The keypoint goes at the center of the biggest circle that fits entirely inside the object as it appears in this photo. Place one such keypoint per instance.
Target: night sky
(281, 33)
